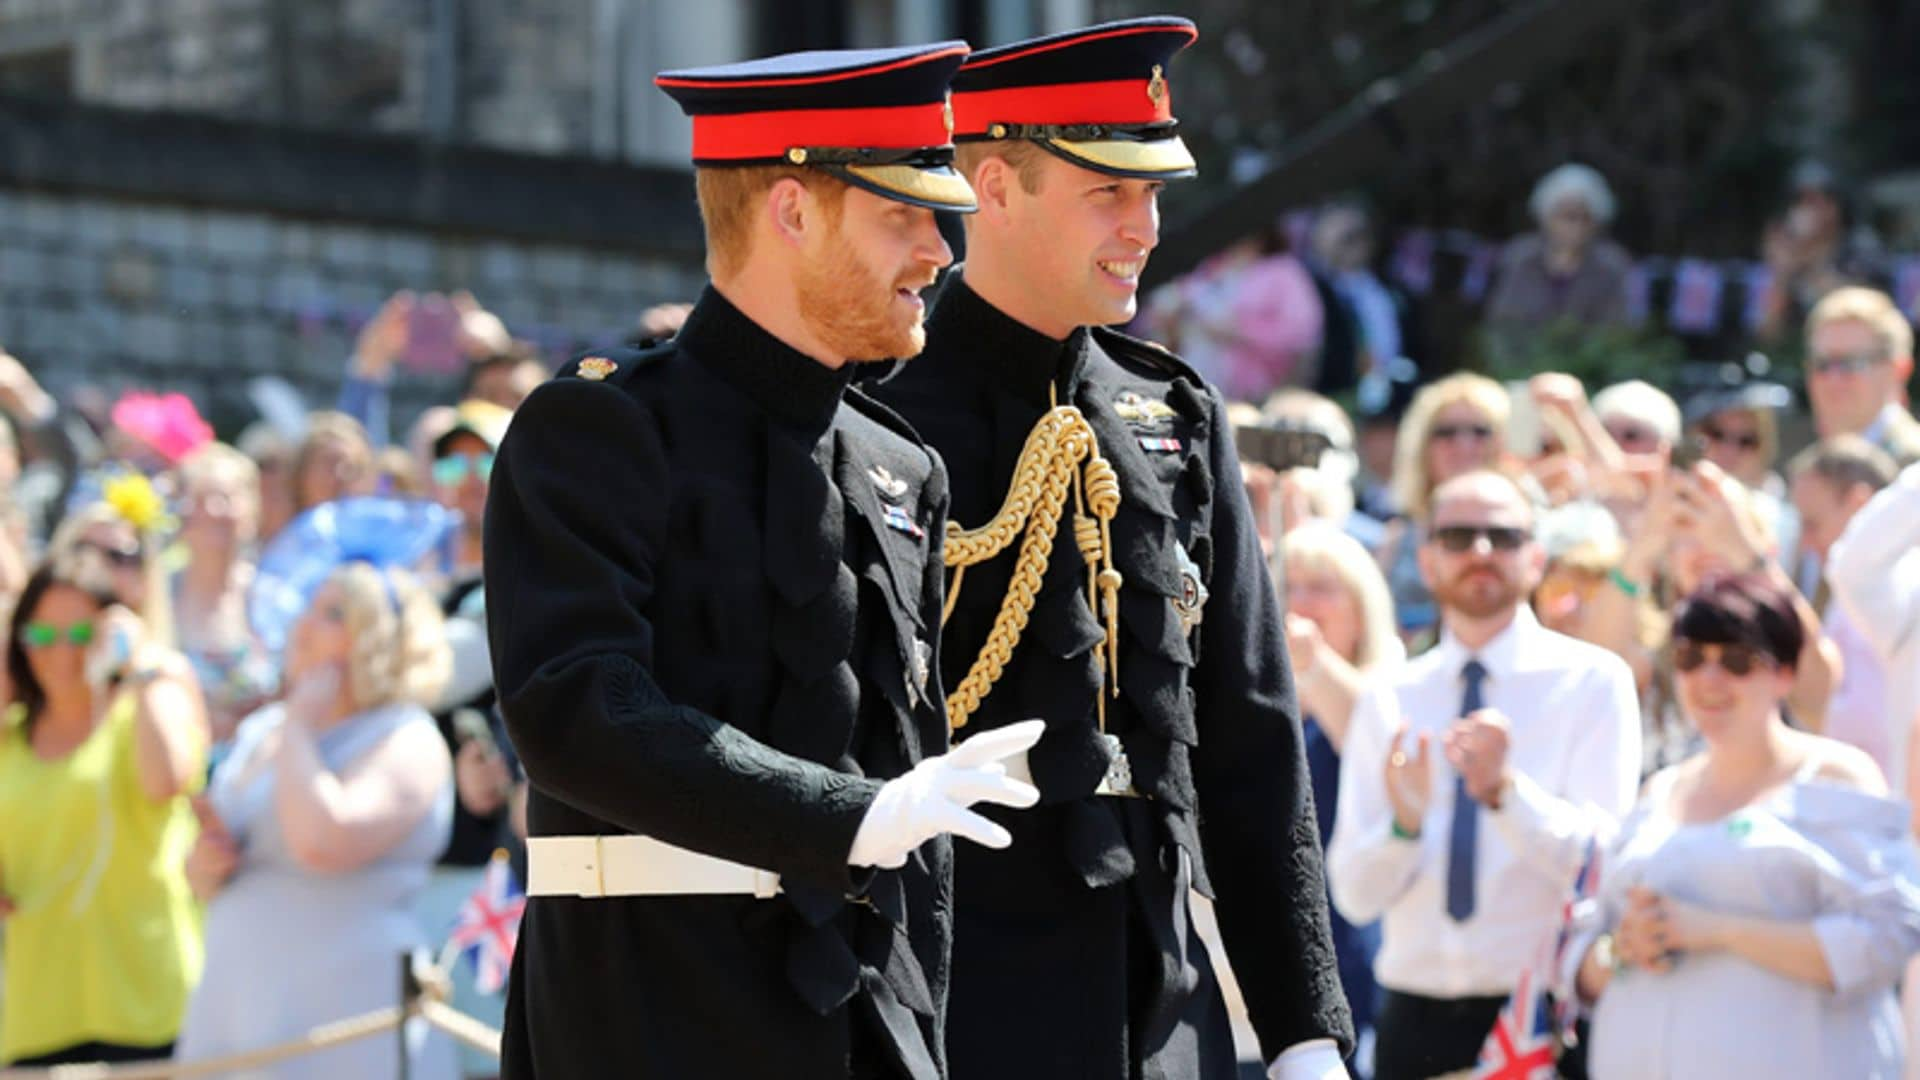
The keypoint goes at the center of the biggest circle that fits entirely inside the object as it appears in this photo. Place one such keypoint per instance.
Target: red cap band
(766, 135)
(1122, 101)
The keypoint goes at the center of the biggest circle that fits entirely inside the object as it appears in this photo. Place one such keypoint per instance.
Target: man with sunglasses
(1471, 783)
(1859, 358)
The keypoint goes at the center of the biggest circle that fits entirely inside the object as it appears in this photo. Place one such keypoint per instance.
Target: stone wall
(122, 292)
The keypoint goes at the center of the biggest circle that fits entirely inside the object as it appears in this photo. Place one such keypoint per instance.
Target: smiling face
(860, 276)
(1720, 701)
(1077, 243)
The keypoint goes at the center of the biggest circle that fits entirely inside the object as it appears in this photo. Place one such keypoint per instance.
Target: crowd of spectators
(1533, 624)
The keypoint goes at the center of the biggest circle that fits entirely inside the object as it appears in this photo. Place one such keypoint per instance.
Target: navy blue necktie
(1466, 813)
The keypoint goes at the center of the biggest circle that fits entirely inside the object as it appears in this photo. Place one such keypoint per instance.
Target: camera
(1281, 446)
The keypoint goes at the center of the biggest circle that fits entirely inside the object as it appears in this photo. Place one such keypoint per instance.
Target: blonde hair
(331, 426)
(1323, 545)
(1872, 307)
(1412, 484)
(729, 198)
(156, 611)
(221, 466)
(399, 647)
(1637, 399)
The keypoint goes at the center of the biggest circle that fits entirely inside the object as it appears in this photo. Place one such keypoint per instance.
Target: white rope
(322, 1037)
(462, 1027)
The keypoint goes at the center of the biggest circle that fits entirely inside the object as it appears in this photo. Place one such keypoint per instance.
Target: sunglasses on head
(1449, 432)
(1842, 365)
(41, 635)
(1461, 538)
(1735, 659)
(453, 470)
(127, 558)
(1745, 440)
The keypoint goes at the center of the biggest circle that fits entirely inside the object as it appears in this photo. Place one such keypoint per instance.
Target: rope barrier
(323, 1037)
(427, 1006)
(461, 1026)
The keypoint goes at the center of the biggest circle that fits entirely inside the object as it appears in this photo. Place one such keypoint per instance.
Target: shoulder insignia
(612, 365)
(1151, 353)
(889, 485)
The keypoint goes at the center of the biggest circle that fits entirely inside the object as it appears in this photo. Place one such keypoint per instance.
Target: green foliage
(1597, 356)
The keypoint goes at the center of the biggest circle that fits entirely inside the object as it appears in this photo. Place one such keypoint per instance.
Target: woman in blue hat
(322, 825)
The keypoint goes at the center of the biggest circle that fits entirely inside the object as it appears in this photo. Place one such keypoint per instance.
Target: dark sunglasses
(1843, 365)
(1461, 538)
(1745, 440)
(453, 470)
(1449, 432)
(125, 558)
(41, 635)
(1735, 659)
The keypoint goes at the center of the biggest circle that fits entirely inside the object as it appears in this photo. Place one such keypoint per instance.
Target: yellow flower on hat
(133, 497)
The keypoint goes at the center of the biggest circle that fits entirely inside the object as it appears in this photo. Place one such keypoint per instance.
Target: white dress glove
(1315, 1059)
(933, 799)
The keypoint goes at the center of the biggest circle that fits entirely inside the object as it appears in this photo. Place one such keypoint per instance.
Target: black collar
(1010, 354)
(790, 385)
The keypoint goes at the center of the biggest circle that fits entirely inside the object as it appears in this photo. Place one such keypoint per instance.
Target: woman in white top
(1763, 897)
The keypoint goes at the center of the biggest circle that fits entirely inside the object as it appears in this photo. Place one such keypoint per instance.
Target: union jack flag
(1525, 1040)
(488, 925)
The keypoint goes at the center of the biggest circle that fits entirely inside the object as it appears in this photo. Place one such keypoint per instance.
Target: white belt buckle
(599, 869)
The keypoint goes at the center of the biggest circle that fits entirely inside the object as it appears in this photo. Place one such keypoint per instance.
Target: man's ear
(990, 186)
(791, 211)
(1856, 497)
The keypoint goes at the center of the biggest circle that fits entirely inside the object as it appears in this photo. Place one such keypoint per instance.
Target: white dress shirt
(1574, 752)
(1874, 569)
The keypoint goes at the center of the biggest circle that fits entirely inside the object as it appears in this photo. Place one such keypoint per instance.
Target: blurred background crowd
(1645, 261)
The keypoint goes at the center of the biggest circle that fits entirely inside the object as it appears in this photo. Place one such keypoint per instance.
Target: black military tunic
(1073, 951)
(714, 604)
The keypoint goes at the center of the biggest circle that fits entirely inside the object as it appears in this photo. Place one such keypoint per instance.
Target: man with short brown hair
(714, 603)
(1149, 641)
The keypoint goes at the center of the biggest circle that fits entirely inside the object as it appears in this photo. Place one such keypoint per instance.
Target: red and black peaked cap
(877, 118)
(1097, 97)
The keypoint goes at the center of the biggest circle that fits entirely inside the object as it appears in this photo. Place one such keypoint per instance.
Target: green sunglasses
(453, 470)
(41, 635)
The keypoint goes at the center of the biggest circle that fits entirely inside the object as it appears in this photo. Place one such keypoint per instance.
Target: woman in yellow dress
(102, 744)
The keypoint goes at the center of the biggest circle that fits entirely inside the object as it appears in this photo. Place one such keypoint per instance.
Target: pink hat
(167, 423)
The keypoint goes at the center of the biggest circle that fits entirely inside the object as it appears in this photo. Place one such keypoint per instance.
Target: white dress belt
(627, 865)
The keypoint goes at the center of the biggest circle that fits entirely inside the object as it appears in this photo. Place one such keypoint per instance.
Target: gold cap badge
(596, 368)
(946, 114)
(1157, 85)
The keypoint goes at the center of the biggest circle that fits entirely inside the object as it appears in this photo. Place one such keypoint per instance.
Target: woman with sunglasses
(219, 525)
(1760, 902)
(1455, 426)
(102, 743)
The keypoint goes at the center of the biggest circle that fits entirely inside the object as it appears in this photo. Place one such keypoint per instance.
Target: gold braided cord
(1060, 453)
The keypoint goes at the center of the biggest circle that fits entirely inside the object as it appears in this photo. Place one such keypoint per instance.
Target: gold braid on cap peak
(1061, 452)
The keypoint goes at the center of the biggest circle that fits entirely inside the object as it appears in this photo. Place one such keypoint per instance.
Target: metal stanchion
(410, 994)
